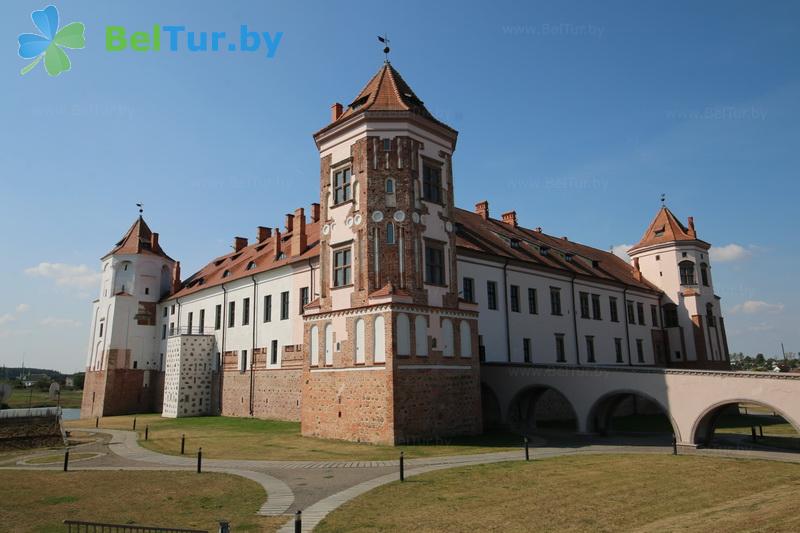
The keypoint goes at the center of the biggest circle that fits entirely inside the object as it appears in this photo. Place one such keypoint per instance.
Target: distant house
(69, 381)
(31, 379)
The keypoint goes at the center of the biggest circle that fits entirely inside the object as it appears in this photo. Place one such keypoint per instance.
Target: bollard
(402, 473)
(97, 421)
(199, 460)
(753, 432)
(66, 460)
(761, 431)
(674, 445)
(134, 423)
(183, 442)
(298, 521)
(146, 431)
(224, 526)
(527, 453)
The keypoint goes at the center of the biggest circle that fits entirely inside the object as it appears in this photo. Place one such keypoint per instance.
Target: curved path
(319, 487)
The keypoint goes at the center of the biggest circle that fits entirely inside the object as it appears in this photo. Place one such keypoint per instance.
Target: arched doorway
(541, 408)
(631, 413)
(746, 423)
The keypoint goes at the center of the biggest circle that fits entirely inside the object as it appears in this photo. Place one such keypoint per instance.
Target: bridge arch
(524, 407)
(705, 423)
(603, 409)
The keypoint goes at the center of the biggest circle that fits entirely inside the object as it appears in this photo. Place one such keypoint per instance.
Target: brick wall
(122, 391)
(276, 393)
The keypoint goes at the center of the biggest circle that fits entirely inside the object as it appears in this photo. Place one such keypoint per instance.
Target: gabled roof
(665, 228)
(138, 240)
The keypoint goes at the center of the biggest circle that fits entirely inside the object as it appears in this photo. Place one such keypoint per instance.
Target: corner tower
(393, 352)
(124, 372)
(671, 256)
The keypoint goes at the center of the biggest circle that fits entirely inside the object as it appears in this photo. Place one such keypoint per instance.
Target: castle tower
(671, 256)
(392, 350)
(124, 372)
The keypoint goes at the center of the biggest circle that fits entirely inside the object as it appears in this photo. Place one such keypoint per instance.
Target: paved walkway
(319, 487)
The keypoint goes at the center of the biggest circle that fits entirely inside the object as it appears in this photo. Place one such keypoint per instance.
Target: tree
(78, 379)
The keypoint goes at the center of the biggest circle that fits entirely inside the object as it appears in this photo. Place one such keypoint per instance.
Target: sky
(578, 115)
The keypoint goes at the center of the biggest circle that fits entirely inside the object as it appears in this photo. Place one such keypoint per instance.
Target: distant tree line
(760, 363)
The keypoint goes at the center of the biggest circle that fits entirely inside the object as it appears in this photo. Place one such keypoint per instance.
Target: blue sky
(576, 114)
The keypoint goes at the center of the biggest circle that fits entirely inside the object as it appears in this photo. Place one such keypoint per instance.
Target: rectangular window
(612, 305)
(268, 308)
(163, 330)
(590, 349)
(285, 305)
(243, 361)
(469, 289)
(514, 298)
(671, 316)
(246, 312)
(202, 327)
(555, 301)
(171, 329)
(432, 184)
(172, 309)
(561, 356)
(596, 307)
(164, 313)
(631, 315)
(190, 321)
(231, 314)
(533, 304)
(640, 312)
(341, 267)
(434, 264)
(584, 298)
(526, 350)
(303, 300)
(341, 185)
(273, 356)
(491, 294)
(704, 275)
(618, 349)
(640, 350)
(481, 349)
(101, 329)
(218, 317)
(654, 315)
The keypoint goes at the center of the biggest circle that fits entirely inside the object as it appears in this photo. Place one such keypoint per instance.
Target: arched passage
(735, 421)
(631, 412)
(490, 407)
(541, 407)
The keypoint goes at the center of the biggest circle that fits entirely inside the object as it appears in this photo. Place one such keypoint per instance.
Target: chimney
(510, 218)
(315, 212)
(262, 233)
(336, 111)
(537, 229)
(154, 241)
(299, 239)
(482, 208)
(692, 231)
(289, 222)
(176, 277)
(239, 243)
(278, 243)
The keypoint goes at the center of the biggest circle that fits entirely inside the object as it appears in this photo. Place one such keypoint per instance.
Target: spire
(138, 240)
(665, 228)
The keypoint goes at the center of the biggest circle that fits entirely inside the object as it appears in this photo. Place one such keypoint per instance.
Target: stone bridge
(691, 399)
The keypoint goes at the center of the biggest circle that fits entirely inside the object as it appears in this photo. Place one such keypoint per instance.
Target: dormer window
(658, 232)
(544, 250)
(226, 273)
(251, 265)
(515, 243)
(568, 258)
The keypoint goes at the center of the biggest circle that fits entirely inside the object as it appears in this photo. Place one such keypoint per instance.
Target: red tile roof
(138, 240)
(665, 228)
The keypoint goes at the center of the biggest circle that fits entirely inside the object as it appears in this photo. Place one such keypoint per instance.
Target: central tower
(392, 349)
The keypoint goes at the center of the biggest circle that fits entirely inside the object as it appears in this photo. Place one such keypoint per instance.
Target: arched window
(380, 339)
(466, 339)
(403, 335)
(712, 321)
(421, 335)
(314, 346)
(390, 233)
(328, 344)
(687, 272)
(447, 337)
(389, 186)
(704, 274)
(360, 341)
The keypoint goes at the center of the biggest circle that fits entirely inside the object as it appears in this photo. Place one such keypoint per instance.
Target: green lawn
(23, 398)
(585, 493)
(37, 501)
(248, 438)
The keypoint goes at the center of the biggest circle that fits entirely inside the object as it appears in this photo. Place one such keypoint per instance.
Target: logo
(51, 43)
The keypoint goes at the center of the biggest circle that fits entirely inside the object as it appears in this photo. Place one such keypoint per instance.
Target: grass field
(22, 398)
(585, 493)
(247, 438)
(40, 501)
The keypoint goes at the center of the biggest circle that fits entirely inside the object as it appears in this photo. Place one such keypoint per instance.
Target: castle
(369, 319)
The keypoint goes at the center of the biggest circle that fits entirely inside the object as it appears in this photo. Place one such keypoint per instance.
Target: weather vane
(141, 208)
(663, 199)
(386, 49)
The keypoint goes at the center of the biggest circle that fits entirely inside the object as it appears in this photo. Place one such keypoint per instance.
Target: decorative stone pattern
(188, 380)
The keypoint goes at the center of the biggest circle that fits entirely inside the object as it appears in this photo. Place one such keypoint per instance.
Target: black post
(298, 521)
(199, 460)
(527, 453)
(753, 432)
(224, 526)
(674, 445)
(134, 423)
(761, 431)
(66, 460)
(183, 442)
(97, 421)
(402, 473)
(146, 431)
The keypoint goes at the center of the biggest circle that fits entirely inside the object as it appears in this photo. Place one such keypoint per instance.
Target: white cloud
(76, 276)
(729, 253)
(621, 251)
(753, 307)
(21, 308)
(6, 318)
(60, 322)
